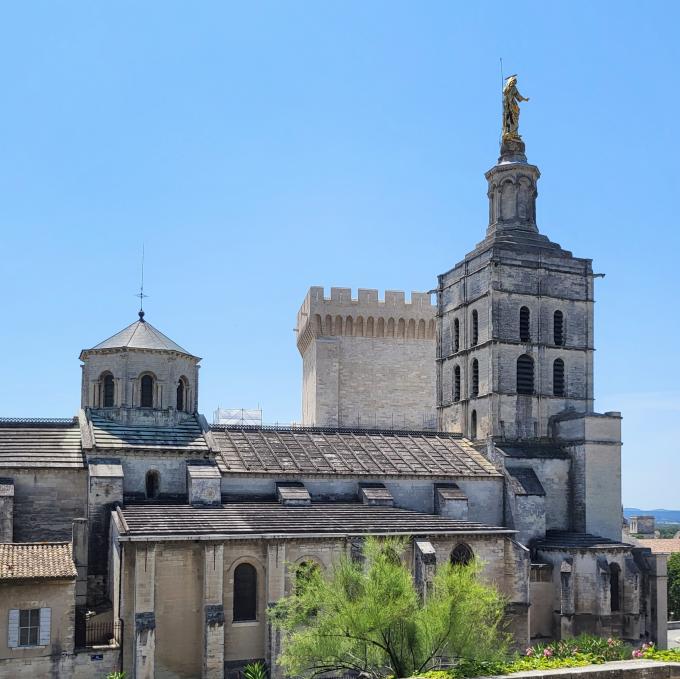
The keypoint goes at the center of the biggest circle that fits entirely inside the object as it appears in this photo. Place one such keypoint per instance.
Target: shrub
(674, 586)
(255, 670)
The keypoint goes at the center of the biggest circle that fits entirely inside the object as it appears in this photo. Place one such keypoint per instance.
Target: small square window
(29, 626)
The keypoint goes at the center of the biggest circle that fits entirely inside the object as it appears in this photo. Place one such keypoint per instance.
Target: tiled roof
(557, 539)
(32, 561)
(272, 518)
(353, 452)
(140, 335)
(186, 435)
(40, 443)
(661, 545)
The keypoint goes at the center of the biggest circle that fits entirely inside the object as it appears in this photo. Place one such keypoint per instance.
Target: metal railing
(108, 633)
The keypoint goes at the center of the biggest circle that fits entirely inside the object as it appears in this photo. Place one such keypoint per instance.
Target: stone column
(276, 583)
(145, 617)
(213, 607)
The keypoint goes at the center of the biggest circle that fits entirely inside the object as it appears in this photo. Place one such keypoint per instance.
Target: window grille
(475, 327)
(475, 378)
(456, 383)
(558, 377)
(525, 375)
(456, 335)
(558, 328)
(524, 324)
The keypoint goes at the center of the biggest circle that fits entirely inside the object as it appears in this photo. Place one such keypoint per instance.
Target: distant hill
(661, 515)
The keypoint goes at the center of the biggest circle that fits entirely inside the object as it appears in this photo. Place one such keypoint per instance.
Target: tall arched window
(524, 324)
(245, 593)
(456, 383)
(456, 335)
(146, 400)
(475, 327)
(153, 484)
(461, 555)
(525, 374)
(558, 377)
(181, 394)
(558, 328)
(474, 382)
(473, 425)
(615, 587)
(108, 388)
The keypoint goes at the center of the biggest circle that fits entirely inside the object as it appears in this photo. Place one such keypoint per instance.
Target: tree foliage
(674, 586)
(366, 615)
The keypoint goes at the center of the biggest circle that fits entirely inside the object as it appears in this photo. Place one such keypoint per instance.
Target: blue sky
(260, 148)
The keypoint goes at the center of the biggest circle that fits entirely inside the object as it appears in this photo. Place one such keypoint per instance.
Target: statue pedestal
(512, 150)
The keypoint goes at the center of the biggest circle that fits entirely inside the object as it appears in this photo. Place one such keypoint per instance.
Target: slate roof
(312, 451)
(186, 435)
(532, 449)
(140, 335)
(524, 481)
(235, 520)
(40, 443)
(660, 545)
(33, 561)
(557, 539)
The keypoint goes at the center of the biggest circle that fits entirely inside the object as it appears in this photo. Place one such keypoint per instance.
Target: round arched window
(461, 555)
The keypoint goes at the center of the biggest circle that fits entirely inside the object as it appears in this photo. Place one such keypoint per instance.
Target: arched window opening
(474, 391)
(305, 572)
(615, 587)
(456, 383)
(108, 388)
(558, 328)
(524, 324)
(421, 329)
(525, 374)
(153, 483)
(245, 593)
(461, 555)
(147, 392)
(558, 377)
(473, 425)
(181, 394)
(456, 335)
(475, 327)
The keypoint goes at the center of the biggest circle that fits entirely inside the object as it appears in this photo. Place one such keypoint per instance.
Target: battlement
(365, 316)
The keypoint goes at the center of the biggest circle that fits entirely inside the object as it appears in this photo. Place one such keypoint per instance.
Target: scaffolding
(244, 417)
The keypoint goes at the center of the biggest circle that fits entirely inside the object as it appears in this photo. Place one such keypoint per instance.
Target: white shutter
(45, 624)
(13, 628)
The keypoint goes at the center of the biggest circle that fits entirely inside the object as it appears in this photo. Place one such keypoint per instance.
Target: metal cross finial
(141, 294)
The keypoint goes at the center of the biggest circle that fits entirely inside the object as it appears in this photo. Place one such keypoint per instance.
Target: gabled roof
(140, 335)
(36, 561)
(317, 451)
(238, 519)
(185, 435)
(40, 443)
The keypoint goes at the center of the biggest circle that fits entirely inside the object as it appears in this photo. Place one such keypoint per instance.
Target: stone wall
(366, 362)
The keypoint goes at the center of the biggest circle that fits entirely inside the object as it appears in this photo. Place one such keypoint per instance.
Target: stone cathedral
(137, 536)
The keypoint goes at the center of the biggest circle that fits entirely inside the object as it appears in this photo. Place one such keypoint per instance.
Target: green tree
(367, 616)
(674, 586)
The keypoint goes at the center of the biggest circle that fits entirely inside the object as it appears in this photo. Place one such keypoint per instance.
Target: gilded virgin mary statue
(511, 99)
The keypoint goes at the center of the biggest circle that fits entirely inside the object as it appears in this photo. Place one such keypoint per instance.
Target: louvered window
(245, 593)
(473, 425)
(147, 392)
(524, 324)
(456, 383)
(108, 391)
(456, 335)
(475, 327)
(475, 378)
(558, 328)
(525, 375)
(558, 377)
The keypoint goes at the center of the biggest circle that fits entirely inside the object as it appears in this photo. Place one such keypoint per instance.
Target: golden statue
(511, 99)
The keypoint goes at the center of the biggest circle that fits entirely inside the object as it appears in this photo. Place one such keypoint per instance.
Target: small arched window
(474, 382)
(153, 484)
(558, 377)
(615, 587)
(456, 383)
(461, 555)
(245, 593)
(181, 394)
(525, 374)
(108, 388)
(524, 324)
(475, 327)
(558, 328)
(456, 335)
(305, 572)
(473, 425)
(146, 400)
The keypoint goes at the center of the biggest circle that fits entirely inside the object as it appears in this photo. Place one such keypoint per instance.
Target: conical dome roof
(140, 335)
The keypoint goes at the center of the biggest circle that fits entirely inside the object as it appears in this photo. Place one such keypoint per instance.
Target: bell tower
(515, 317)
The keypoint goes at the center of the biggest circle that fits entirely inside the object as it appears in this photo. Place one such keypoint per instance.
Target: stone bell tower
(515, 319)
